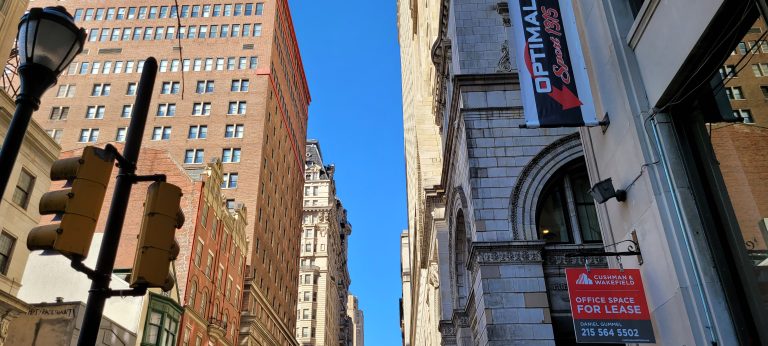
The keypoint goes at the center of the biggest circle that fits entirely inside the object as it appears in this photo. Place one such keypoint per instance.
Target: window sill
(641, 22)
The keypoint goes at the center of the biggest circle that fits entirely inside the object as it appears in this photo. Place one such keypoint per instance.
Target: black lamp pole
(48, 41)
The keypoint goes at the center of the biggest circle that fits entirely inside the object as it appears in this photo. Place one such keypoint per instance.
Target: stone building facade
(357, 319)
(495, 209)
(231, 86)
(19, 213)
(28, 181)
(324, 278)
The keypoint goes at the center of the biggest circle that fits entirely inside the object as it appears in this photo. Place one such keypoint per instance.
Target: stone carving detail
(447, 329)
(502, 8)
(460, 319)
(509, 256)
(505, 65)
(434, 279)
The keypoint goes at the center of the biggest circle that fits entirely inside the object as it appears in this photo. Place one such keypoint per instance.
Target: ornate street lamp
(48, 41)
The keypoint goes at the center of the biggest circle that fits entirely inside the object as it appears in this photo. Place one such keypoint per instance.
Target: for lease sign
(609, 306)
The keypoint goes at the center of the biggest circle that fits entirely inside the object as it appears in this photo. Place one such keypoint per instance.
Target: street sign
(609, 306)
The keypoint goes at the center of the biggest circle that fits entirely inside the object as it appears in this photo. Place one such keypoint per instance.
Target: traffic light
(157, 246)
(77, 207)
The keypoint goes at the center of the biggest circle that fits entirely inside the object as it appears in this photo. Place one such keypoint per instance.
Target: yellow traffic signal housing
(157, 246)
(77, 208)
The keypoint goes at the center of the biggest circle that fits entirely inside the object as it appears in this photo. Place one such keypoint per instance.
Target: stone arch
(535, 175)
(460, 239)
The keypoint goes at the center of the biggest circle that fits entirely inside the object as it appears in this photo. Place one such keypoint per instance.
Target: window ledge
(641, 22)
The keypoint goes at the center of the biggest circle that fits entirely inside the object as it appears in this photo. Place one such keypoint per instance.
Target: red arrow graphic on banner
(564, 97)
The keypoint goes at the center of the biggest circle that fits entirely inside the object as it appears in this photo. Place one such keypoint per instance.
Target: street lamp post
(48, 41)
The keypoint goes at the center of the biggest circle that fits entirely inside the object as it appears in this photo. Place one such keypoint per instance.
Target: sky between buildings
(351, 58)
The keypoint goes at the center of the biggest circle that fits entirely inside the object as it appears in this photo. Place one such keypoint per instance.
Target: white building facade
(323, 276)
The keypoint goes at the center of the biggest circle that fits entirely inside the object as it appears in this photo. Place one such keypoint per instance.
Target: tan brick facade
(258, 131)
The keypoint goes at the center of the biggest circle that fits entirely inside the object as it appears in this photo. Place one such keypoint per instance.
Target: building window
(7, 243)
(66, 90)
(741, 48)
(209, 265)
(192, 293)
(193, 156)
(198, 253)
(59, 113)
(88, 135)
(259, 9)
(126, 112)
(257, 29)
(161, 133)
(234, 131)
(101, 89)
(734, 93)
(236, 107)
(120, 135)
(204, 86)
(230, 204)
(55, 134)
(230, 181)
(170, 88)
(230, 155)
(728, 71)
(240, 85)
(204, 304)
(95, 112)
(760, 70)
(197, 132)
(201, 108)
(566, 212)
(131, 90)
(745, 115)
(160, 330)
(23, 188)
(166, 109)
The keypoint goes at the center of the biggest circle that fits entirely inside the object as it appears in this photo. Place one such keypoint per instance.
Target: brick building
(230, 86)
(209, 271)
(215, 266)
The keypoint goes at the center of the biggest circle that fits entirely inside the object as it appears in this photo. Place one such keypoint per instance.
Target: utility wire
(178, 36)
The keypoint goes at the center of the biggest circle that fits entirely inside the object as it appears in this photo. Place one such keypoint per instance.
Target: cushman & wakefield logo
(584, 280)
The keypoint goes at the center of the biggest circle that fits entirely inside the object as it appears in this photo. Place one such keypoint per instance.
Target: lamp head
(48, 41)
(604, 190)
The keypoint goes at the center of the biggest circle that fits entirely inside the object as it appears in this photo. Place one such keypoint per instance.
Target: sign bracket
(633, 249)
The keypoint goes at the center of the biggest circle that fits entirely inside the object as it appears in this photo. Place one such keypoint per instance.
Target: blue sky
(351, 58)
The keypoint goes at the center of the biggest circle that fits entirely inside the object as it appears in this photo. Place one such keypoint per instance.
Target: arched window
(462, 251)
(192, 293)
(204, 304)
(566, 212)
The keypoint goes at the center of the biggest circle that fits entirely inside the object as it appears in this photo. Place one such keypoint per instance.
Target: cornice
(516, 252)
